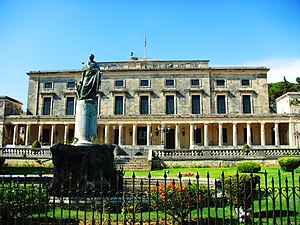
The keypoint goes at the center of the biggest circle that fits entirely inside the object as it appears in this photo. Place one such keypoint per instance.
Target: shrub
(239, 189)
(179, 199)
(248, 167)
(246, 149)
(289, 164)
(21, 201)
(36, 144)
(2, 162)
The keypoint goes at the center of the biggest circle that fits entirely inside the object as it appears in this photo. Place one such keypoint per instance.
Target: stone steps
(134, 163)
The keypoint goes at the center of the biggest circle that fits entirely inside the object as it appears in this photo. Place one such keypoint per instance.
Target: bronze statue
(90, 81)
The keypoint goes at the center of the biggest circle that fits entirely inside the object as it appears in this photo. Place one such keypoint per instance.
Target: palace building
(152, 104)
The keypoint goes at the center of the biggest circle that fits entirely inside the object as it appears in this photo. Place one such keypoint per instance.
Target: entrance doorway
(46, 137)
(116, 137)
(170, 139)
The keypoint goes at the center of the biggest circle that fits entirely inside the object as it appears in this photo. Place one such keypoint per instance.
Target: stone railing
(167, 154)
(234, 154)
(25, 153)
(144, 64)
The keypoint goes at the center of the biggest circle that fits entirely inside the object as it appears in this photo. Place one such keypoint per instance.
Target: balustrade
(25, 153)
(224, 153)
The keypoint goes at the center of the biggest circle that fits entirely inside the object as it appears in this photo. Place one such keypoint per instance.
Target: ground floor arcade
(188, 133)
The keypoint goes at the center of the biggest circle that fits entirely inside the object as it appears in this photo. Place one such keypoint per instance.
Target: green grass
(272, 172)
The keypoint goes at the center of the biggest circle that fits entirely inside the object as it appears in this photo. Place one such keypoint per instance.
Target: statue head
(91, 57)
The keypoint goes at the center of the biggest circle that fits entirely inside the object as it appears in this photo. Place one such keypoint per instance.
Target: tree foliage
(280, 88)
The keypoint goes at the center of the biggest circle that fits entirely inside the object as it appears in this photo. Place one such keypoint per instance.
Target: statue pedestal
(85, 122)
(81, 167)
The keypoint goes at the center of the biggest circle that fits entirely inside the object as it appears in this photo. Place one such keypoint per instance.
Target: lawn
(266, 172)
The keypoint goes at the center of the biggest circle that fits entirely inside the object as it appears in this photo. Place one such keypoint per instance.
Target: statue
(90, 80)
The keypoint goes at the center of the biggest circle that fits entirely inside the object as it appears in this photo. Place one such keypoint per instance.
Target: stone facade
(148, 104)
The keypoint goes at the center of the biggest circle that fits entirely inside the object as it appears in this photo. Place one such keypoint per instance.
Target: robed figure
(88, 86)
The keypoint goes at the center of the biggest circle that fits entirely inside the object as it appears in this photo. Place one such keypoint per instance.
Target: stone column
(106, 134)
(120, 134)
(234, 135)
(66, 133)
(262, 134)
(148, 134)
(192, 139)
(134, 132)
(206, 134)
(163, 135)
(177, 136)
(249, 134)
(291, 135)
(52, 134)
(27, 134)
(220, 134)
(15, 134)
(40, 133)
(277, 142)
(85, 122)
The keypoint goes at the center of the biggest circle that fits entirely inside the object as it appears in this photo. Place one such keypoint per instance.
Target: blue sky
(60, 34)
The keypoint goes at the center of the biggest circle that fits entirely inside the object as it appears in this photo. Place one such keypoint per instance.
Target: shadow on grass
(274, 213)
(24, 170)
(41, 221)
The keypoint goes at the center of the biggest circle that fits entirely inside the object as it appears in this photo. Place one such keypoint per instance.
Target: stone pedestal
(85, 122)
(84, 167)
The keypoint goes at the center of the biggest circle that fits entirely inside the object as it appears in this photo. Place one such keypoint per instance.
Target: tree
(280, 88)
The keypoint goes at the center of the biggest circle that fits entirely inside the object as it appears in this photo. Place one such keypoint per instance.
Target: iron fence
(186, 199)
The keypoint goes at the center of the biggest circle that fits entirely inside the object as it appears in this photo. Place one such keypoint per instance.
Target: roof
(288, 94)
(4, 97)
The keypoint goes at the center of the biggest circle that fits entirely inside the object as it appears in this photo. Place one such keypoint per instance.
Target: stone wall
(182, 90)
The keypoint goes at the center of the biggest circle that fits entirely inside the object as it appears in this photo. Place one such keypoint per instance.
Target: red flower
(171, 186)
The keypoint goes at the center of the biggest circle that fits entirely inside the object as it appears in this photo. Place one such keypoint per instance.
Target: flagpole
(145, 48)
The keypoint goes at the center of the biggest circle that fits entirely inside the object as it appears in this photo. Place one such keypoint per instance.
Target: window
(141, 135)
(221, 106)
(144, 83)
(70, 106)
(246, 103)
(48, 85)
(71, 84)
(170, 104)
(195, 104)
(220, 82)
(170, 83)
(119, 83)
(118, 105)
(245, 82)
(46, 105)
(195, 82)
(144, 104)
(224, 134)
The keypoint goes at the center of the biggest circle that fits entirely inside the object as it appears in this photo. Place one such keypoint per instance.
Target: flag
(145, 42)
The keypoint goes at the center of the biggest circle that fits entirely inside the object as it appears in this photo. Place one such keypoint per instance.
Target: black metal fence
(186, 199)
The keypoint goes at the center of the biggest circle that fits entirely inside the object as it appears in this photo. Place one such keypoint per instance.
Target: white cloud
(290, 68)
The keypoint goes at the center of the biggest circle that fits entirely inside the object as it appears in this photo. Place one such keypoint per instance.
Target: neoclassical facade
(182, 104)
